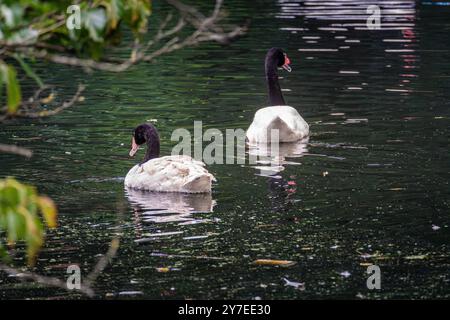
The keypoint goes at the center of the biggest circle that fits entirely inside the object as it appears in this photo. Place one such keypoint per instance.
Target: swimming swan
(289, 123)
(177, 173)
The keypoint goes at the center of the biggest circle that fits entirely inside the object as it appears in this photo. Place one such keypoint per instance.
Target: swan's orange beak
(134, 147)
(286, 66)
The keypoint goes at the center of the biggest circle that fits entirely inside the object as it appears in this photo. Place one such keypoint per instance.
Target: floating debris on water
(317, 50)
(354, 88)
(162, 234)
(269, 262)
(360, 296)
(144, 240)
(345, 274)
(416, 257)
(365, 264)
(435, 227)
(296, 285)
(195, 237)
(366, 256)
(166, 255)
(351, 121)
(130, 293)
(379, 164)
(398, 90)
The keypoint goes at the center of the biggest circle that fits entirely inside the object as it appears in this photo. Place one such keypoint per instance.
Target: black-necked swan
(290, 124)
(178, 173)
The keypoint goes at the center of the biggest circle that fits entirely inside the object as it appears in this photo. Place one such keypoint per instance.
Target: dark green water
(378, 105)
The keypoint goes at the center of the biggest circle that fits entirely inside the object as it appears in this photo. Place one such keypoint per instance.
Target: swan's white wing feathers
(170, 174)
(292, 127)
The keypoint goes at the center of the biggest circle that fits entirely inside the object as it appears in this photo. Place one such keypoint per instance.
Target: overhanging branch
(205, 29)
(166, 40)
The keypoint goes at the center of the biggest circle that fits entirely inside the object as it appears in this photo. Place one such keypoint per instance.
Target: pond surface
(371, 186)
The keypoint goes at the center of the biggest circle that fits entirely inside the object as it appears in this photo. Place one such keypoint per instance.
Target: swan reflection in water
(271, 162)
(164, 207)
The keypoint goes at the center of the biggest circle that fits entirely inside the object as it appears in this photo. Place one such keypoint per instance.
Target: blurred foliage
(20, 220)
(36, 24)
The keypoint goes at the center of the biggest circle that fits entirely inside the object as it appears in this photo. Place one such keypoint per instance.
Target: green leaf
(12, 15)
(4, 254)
(2, 217)
(19, 216)
(34, 238)
(114, 10)
(10, 197)
(1, 84)
(12, 87)
(30, 73)
(48, 210)
(137, 12)
(95, 23)
(16, 226)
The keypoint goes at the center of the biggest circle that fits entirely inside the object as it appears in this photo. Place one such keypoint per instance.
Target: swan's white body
(290, 124)
(170, 174)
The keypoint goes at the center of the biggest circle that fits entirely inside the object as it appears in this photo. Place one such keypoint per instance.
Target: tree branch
(48, 281)
(15, 150)
(104, 261)
(205, 29)
(86, 287)
(27, 109)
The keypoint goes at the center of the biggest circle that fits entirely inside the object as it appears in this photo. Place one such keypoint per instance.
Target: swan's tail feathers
(285, 133)
(199, 184)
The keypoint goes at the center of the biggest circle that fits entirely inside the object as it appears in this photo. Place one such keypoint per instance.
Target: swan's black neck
(152, 139)
(275, 95)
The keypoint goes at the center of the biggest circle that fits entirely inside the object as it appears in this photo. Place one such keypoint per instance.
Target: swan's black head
(144, 133)
(278, 57)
